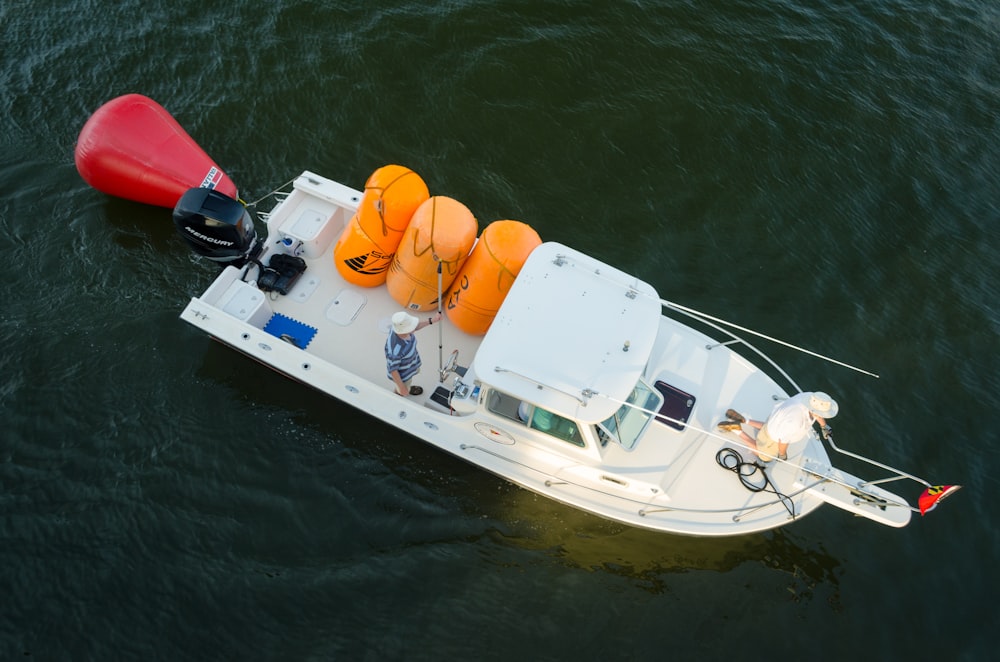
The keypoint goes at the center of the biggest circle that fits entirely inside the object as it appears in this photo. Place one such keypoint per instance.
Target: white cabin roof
(562, 331)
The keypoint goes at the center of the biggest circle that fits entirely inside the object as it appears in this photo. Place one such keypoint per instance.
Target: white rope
(277, 190)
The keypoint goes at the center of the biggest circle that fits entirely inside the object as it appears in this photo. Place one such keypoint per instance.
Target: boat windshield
(628, 423)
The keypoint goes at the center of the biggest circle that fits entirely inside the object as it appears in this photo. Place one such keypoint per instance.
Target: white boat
(582, 389)
(586, 388)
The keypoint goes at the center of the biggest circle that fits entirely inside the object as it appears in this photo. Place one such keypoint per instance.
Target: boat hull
(331, 338)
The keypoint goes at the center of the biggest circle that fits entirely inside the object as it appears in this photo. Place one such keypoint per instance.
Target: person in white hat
(401, 356)
(789, 422)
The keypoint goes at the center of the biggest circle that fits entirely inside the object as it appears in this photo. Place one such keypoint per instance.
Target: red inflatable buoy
(131, 147)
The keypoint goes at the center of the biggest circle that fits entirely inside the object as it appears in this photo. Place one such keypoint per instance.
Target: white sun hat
(823, 405)
(403, 322)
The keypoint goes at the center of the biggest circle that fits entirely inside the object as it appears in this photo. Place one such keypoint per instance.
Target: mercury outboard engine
(216, 226)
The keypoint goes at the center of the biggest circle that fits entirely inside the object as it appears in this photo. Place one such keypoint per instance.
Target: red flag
(928, 501)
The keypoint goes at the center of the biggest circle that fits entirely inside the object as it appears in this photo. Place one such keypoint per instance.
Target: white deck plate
(345, 307)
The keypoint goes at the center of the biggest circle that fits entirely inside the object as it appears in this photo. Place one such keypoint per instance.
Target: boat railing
(646, 509)
(579, 398)
(898, 474)
(720, 324)
(717, 324)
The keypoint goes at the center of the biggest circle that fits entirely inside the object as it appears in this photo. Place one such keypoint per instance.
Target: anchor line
(275, 191)
(731, 460)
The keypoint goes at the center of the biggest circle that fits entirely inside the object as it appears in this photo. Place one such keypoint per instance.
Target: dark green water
(824, 172)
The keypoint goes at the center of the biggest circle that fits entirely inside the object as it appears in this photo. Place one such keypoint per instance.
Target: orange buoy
(482, 284)
(366, 246)
(443, 231)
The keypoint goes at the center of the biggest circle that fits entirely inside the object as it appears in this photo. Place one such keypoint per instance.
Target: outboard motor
(216, 226)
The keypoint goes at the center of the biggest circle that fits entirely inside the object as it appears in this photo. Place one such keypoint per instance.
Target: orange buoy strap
(382, 190)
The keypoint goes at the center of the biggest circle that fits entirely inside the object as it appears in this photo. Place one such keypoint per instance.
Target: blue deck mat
(290, 330)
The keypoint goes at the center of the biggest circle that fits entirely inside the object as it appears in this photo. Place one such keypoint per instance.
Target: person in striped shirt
(401, 356)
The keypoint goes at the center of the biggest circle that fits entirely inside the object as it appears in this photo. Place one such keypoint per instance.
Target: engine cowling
(215, 225)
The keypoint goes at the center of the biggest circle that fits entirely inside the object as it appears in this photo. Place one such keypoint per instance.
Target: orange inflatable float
(442, 231)
(488, 274)
(366, 246)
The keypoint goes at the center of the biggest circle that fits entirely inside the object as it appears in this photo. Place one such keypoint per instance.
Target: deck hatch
(677, 405)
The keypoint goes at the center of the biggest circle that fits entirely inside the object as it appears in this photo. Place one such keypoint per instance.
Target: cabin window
(505, 405)
(628, 423)
(555, 425)
(535, 417)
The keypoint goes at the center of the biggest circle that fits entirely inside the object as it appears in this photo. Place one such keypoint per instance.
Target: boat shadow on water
(432, 498)
(579, 540)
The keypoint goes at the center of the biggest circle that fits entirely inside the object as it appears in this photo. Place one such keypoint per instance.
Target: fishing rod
(443, 368)
(440, 327)
(705, 316)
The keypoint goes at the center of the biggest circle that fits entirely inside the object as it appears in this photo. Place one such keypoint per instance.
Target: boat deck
(346, 325)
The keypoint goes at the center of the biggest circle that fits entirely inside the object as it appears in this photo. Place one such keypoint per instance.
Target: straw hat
(823, 405)
(403, 322)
